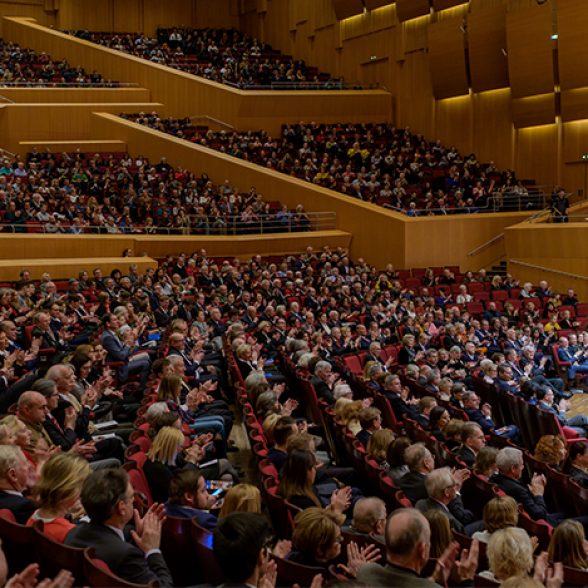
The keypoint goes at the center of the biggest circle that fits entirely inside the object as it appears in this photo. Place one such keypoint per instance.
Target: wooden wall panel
(443, 4)
(454, 121)
(572, 24)
(533, 110)
(85, 14)
(530, 51)
(324, 15)
(537, 153)
(407, 9)
(574, 104)
(346, 8)
(493, 129)
(30, 9)
(127, 15)
(487, 48)
(161, 14)
(447, 57)
(76, 95)
(575, 169)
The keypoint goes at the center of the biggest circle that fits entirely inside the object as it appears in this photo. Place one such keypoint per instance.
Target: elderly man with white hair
(510, 470)
(443, 489)
(324, 381)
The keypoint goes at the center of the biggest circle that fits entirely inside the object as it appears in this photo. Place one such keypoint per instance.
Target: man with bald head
(408, 540)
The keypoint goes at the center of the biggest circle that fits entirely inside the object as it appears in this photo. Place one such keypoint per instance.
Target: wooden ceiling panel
(443, 4)
(572, 24)
(487, 47)
(447, 58)
(530, 51)
(533, 110)
(372, 4)
(347, 8)
(407, 9)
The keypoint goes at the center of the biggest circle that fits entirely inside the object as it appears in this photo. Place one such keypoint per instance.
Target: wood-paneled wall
(75, 95)
(379, 235)
(551, 247)
(187, 95)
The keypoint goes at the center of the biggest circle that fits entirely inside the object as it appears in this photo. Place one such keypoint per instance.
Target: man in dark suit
(324, 380)
(107, 497)
(472, 440)
(510, 469)
(239, 548)
(408, 539)
(14, 474)
(119, 351)
(420, 462)
(370, 419)
(443, 490)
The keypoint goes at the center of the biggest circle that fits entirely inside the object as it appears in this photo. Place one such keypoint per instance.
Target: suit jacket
(413, 485)
(466, 455)
(22, 508)
(477, 416)
(322, 390)
(373, 574)
(123, 558)
(457, 514)
(534, 505)
(117, 351)
(579, 476)
(364, 437)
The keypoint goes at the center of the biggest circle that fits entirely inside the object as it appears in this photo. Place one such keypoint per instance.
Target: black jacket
(413, 485)
(533, 505)
(22, 508)
(123, 558)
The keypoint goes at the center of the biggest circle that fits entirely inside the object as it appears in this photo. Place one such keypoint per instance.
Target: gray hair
(156, 410)
(10, 456)
(507, 458)
(342, 391)
(322, 366)
(367, 512)
(437, 482)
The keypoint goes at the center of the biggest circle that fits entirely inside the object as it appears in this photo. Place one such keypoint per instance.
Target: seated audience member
(426, 405)
(297, 485)
(472, 440)
(578, 463)
(420, 462)
(377, 447)
(20, 435)
(568, 546)
(167, 455)
(499, 512)
(133, 359)
(370, 420)
(408, 540)
(438, 420)
(240, 548)
(14, 476)
(546, 401)
(485, 465)
(395, 459)
(452, 431)
(510, 555)
(443, 489)
(441, 536)
(576, 359)
(483, 417)
(324, 380)
(189, 498)
(316, 541)
(107, 498)
(58, 493)
(369, 517)
(241, 498)
(552, 450)
(284, 429)
(510, 469)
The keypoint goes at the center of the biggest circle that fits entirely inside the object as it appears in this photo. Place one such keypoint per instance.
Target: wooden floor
(579, 405)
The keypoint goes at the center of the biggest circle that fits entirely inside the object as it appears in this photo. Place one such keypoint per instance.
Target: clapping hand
(357, 557)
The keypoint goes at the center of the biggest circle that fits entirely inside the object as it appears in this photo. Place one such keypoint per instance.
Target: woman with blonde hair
(58, 493)
(499, 513)
(167, 455)
(568, 545)
(169, 388)
(241, 498)
(349, 415)
(510, 554)
(377, 447)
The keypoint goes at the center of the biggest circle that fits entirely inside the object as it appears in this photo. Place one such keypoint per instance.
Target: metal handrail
(303, 85)
(217, 121)
(43, 84)
(7, 99)
(548, 269)
(206, 225)
(486, 244)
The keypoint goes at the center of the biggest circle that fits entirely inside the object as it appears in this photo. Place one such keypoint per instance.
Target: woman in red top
(58, 493)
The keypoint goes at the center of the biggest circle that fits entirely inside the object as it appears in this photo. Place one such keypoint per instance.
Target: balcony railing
(197, 225)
